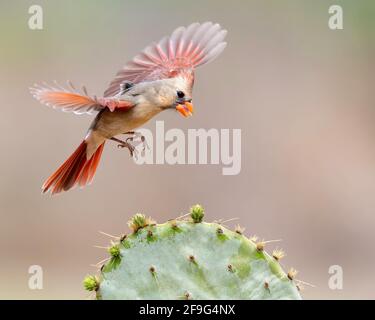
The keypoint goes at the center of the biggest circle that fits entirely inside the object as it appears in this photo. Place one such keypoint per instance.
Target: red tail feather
(77, 169)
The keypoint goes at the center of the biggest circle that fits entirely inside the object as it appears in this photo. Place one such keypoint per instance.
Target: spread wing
(186, 49)
(72, 100)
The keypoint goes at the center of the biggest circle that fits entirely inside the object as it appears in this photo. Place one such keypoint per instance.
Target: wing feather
(75, 101)
(184, 50)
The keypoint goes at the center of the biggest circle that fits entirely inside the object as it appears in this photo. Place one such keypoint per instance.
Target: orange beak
(185, 109)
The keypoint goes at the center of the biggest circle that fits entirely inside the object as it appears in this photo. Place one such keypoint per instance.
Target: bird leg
(125, 144)
(134, 138)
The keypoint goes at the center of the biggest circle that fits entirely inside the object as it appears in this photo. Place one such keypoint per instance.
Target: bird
(159, 78)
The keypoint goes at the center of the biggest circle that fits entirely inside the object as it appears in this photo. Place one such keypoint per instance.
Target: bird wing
(75, 101)
(186, 49)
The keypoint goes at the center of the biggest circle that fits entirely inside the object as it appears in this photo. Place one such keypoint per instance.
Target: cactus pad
(190, 259)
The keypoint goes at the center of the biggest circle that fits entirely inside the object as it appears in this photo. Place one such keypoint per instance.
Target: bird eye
(180, 94)
(125, 86)
(128, 85)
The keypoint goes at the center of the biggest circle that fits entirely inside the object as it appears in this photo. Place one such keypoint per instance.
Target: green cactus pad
(192, 260)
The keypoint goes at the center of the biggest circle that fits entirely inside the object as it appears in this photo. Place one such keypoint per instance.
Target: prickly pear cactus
(190, 259)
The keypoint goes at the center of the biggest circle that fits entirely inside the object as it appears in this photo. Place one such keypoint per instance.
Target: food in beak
(185, 109)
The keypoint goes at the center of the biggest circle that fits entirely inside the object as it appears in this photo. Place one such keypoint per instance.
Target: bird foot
(136, 139)
(132, 142)
(131, 148)
(125, 144)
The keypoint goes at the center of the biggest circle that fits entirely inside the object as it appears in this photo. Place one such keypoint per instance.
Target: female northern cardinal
(161, 77)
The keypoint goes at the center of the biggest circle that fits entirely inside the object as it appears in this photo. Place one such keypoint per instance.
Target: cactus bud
(114, 251)
(91, 283)
(197, 213)
(139, 221)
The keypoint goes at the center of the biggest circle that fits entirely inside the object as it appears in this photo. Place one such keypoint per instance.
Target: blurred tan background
(302, 94)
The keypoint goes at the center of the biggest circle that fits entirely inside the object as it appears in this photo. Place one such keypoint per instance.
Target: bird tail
(76, 170)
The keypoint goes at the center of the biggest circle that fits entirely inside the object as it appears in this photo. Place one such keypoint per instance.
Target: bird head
(166, 94)
(176, 93)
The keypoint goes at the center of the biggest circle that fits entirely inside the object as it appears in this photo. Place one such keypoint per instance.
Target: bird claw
(132, 150)
(132, 142)
(142, 140)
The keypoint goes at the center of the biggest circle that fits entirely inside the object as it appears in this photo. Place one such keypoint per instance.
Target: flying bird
(159, 78)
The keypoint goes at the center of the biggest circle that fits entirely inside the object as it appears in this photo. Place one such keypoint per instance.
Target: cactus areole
(189, 259)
